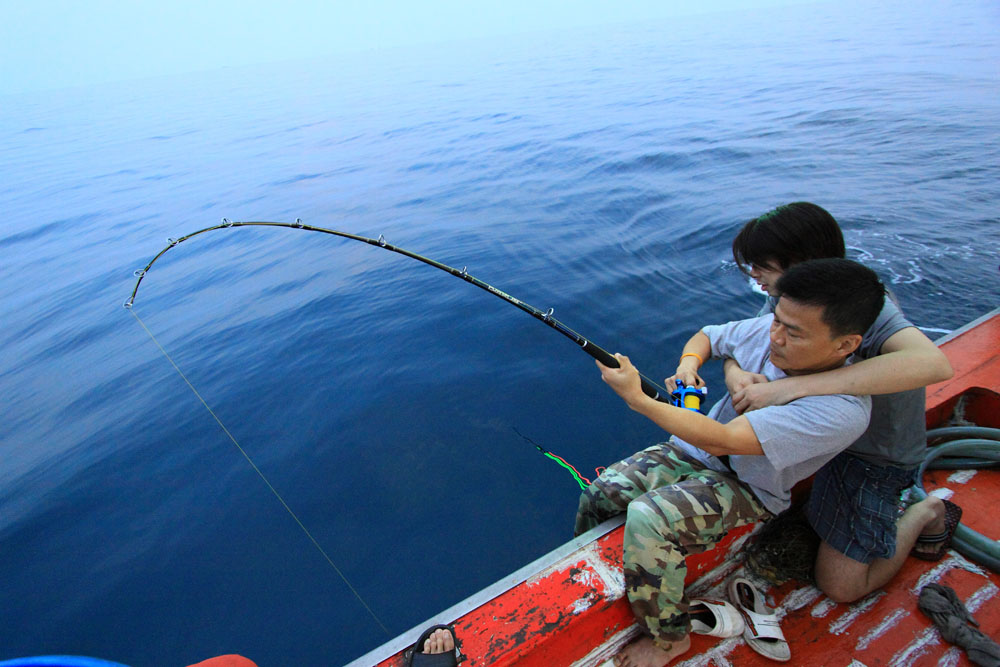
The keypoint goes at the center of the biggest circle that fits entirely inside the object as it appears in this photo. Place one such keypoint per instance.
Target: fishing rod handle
(608, 360)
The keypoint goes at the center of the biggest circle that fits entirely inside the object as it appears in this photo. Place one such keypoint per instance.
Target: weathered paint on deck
(573, 611)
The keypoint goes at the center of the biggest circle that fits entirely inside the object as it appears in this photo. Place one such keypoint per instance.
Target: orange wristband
(696, 356)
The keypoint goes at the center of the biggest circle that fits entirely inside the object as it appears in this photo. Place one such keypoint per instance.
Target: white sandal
(728, 621)
(762, 632)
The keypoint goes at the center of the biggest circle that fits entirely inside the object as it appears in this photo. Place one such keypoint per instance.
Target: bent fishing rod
(649, 387)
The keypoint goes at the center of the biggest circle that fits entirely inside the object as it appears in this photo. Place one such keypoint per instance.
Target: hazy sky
(57, 43)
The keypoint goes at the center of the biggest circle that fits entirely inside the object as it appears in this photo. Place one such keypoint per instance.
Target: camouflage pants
(676, 506)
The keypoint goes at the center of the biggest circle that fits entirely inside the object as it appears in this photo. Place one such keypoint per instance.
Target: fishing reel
(688, 397)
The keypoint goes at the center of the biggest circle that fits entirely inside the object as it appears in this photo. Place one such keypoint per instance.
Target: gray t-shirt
(897, 433)
(797, 438)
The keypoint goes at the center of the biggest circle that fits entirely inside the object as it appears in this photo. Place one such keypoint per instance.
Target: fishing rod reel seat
(690, 398)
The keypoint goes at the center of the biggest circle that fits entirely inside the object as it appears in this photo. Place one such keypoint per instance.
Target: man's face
(801, 342)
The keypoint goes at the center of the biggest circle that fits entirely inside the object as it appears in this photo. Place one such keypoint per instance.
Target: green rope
(580, 479)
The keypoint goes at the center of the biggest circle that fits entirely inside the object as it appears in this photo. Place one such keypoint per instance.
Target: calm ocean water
(601, 173)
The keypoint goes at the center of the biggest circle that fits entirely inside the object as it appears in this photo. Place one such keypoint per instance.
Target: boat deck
(569, 608)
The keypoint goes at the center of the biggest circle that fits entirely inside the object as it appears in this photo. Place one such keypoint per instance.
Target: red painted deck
(570, 609)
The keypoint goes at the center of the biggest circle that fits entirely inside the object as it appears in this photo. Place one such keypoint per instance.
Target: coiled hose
(965, 447)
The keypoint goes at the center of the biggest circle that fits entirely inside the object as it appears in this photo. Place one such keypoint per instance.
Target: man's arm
(738, 379)
(907, 360)
(696, 352)
(736, 437)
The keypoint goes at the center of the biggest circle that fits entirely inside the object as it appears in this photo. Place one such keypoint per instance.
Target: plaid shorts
(854, 506)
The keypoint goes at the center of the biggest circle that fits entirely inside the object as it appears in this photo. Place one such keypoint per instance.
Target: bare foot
(440, 641)
(644, 653)
(935, 525)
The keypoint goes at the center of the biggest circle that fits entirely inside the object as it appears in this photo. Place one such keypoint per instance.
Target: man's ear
(848, 344)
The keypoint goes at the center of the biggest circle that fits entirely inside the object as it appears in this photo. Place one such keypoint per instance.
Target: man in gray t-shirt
(727, 470)
(796, 438)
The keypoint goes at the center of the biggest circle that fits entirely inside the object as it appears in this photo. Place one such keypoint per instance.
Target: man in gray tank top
(855, 502)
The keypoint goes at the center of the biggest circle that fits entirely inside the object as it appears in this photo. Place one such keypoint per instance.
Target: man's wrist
(640, 403)
(693, 356)
(689, 363)
(791, 387)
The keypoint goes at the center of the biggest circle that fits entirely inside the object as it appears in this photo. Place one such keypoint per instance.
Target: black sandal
(415, 656)
(942, 540)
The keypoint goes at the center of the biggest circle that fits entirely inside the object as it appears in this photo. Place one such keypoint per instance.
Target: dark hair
(788, 235)
(850, 293)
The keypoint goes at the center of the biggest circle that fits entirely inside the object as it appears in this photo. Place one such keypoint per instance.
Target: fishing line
(261, 474)
(649, 387)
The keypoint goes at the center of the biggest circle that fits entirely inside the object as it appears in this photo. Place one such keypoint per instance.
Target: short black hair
(787, 235)
(850, 293)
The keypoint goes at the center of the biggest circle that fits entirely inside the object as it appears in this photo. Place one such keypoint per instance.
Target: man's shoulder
(890, 320)
(738, 330)
(746, 341)
(813, 428)
(825, 403)
(834, 416)
(833, 401)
